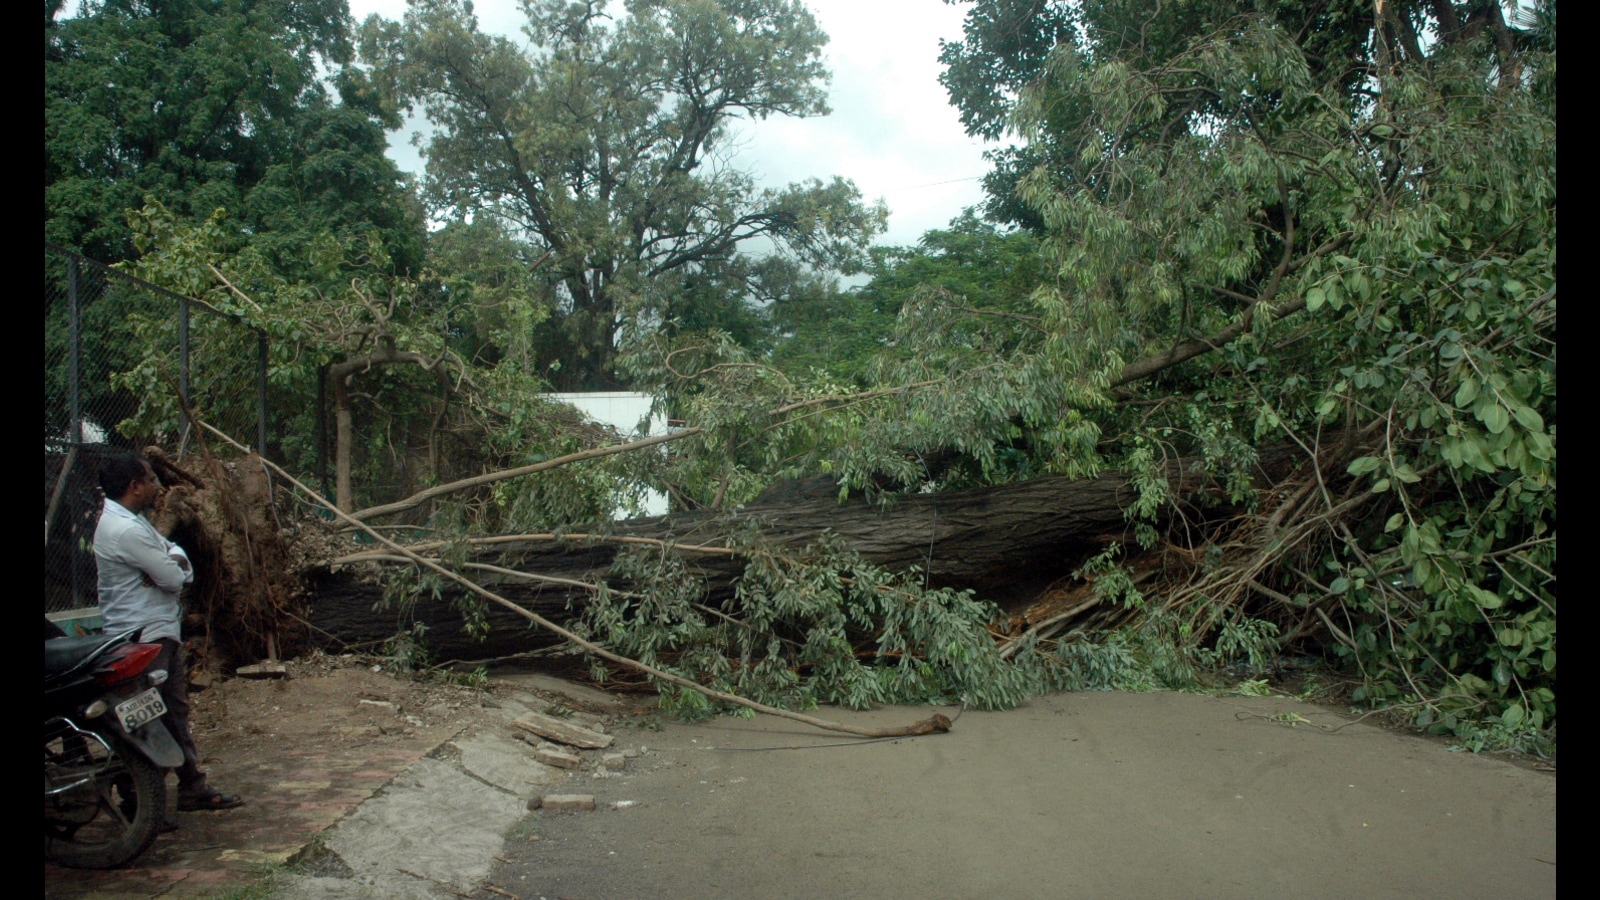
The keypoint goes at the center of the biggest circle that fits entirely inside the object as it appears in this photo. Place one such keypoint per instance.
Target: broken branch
(937, 723)
(421, 497)
(370, 555)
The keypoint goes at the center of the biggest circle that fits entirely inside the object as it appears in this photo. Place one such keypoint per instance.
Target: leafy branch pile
(1265, 227)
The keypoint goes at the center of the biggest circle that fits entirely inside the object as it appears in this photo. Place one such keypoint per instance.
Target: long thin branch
(229, 285)
(369, 555)
(857, 397)
(500, 570)
(1150, 365)
(937, 723)
(421, 497)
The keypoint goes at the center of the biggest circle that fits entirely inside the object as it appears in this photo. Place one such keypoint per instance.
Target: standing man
(141, 574)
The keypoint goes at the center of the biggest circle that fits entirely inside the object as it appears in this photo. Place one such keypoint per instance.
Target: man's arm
(139, 549)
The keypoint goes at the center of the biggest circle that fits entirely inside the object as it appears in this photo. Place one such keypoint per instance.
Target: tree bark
(1007, 543)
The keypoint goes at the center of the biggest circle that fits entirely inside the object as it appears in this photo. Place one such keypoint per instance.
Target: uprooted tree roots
(245, 601)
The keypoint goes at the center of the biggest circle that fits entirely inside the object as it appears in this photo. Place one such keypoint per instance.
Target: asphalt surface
(1080, 795)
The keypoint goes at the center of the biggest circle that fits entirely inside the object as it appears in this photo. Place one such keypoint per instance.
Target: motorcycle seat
(65, 655)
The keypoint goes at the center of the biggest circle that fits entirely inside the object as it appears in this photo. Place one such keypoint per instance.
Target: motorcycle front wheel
(114, 807)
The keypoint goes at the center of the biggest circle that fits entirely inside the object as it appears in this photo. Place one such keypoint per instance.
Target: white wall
(628, 413)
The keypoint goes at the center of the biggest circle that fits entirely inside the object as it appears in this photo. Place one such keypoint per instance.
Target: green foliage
(198, 106)
(1224, 168)
(1351, 239)
(204, 105)
(464, 399)
(1150, 654)
(1112, 584)
(1252, 641)
(971, 266)
(801, 618)
(591, 144)
(407, 650)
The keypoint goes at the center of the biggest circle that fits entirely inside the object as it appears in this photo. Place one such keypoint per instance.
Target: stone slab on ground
(435, 826)
(567, 802)
(563, 732)
(558, 758)
(505, 764)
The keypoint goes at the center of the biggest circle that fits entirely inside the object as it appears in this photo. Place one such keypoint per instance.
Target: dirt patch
(326, 703)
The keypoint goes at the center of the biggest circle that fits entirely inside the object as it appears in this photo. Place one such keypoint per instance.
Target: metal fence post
(183, 373)
(322, 429)
(75, 388)
(261, 393)
(74, 354)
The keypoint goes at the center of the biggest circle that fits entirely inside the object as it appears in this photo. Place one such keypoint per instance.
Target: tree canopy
(1308, 223)
(603, 144)
(216, 105)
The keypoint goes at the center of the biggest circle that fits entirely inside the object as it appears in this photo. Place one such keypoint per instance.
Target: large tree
(604, 143)
(1281, 221)
(208, 104)
(970, 266)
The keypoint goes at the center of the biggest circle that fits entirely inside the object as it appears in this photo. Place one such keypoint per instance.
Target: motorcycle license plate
(141, 710)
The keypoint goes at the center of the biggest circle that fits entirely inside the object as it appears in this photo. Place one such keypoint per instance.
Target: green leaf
(1529, 418)
(1395, 521)
(1467, 392)
(1513, 715)
(1494, 418)
(1315, 298)
(1484, 599)
(1362, 465)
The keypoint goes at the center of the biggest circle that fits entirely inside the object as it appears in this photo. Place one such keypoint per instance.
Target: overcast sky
(892, 129)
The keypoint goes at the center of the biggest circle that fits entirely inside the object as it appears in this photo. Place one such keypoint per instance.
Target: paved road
(1082, 795)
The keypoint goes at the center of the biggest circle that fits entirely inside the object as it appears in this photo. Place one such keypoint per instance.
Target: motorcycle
(106, 750)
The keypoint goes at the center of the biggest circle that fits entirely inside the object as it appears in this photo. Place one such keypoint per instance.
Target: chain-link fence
(122, 359)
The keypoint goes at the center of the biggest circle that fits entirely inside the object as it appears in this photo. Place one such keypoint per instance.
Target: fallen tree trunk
(1007, 543)
(935, 724)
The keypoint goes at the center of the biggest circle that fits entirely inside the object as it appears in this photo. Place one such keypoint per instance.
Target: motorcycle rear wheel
(111, 819)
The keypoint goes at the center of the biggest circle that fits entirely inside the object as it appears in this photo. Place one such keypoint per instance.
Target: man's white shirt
(128, 549)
